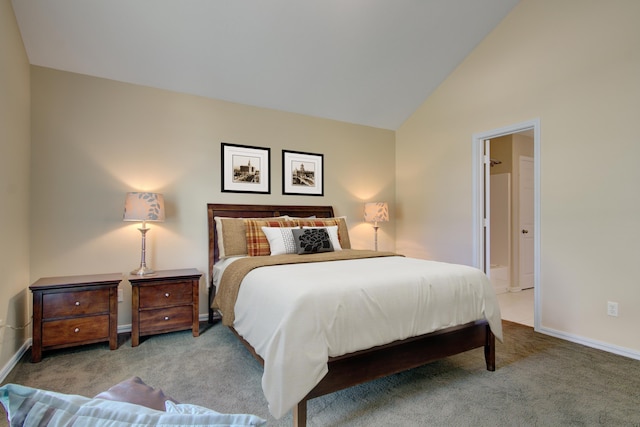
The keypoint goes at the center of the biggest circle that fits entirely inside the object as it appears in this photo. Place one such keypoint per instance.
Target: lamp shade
(376, 212)
(144, 207)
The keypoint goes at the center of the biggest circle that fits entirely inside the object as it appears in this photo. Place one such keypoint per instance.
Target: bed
(359, 364)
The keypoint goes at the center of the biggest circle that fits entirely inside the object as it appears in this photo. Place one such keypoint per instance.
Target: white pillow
(280, 240)
(333, 235)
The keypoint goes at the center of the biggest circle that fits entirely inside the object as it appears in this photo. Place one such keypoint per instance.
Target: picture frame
(245, 169)
(302, 173)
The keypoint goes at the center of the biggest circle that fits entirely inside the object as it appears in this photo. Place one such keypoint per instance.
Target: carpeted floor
(539, 381)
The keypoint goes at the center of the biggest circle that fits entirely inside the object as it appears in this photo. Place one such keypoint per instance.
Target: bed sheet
(297, 316)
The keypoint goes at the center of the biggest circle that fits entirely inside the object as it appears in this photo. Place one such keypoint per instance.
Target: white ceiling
(370, 62)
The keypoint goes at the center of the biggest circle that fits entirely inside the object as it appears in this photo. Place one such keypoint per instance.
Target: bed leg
(300, 414)
(490, 350)
(209, 307)
(211, 295)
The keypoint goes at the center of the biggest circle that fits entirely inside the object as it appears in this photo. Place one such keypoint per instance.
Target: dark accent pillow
(341, 222)
(312, 240)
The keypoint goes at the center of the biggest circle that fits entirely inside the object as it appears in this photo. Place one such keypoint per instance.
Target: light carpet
(539, 381)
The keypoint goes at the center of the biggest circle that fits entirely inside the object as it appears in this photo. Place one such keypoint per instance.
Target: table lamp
(376, 212)
(144, 207)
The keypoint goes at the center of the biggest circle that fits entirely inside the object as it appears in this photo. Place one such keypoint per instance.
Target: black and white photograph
(302, 173)
(245, 169)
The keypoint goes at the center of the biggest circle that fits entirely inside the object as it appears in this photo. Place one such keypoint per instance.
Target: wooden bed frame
(366, 365)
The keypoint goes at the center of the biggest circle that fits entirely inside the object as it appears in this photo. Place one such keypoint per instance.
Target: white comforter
(297, 316)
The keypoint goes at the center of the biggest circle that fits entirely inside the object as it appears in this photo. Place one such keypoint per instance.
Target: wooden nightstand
(164, 302)
(74, 310)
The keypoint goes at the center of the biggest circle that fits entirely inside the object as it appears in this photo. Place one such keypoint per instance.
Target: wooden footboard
(377, 362)
(359, 367)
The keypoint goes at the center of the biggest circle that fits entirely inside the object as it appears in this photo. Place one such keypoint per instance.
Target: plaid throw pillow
(257, 242)
(232, 235)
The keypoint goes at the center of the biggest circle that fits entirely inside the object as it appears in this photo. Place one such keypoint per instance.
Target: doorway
(506, 237)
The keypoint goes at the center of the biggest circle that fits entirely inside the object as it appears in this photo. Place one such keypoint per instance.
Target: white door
(526, 214)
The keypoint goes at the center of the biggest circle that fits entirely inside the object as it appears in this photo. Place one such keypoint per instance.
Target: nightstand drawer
(164, 295)
(67, 304)
(174, 318)
(83, 329)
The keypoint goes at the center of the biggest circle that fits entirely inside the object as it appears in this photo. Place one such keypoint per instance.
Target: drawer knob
(167, 295)
(166, 317)
(77, 303)
(76, 330)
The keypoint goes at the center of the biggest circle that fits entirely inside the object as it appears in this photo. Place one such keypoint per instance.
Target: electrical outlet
(612, 308)
(120, 295)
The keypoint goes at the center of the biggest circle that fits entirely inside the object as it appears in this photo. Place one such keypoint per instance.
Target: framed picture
(302, 173)
(245, 169)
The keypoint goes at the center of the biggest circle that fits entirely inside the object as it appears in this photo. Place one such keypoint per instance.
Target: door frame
(479, 197)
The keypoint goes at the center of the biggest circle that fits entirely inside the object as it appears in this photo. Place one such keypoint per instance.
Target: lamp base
(375, 237)
(143, 270)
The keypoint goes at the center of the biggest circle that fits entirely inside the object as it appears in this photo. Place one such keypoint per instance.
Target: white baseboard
(124, 328)
(610, 348)
(8, 367)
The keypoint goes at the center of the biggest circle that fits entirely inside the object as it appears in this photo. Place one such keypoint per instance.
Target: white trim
(8, 367)
(124, 328)
(622, 351)
(478, 202)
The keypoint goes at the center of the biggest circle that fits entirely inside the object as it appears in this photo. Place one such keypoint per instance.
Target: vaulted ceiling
(370, 62)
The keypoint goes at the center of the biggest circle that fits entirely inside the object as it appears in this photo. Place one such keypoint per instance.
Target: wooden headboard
(254, 211)
(251, 211)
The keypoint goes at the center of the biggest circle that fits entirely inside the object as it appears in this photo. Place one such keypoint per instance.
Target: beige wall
(14, 185)
(575, 65)
(93, 140)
